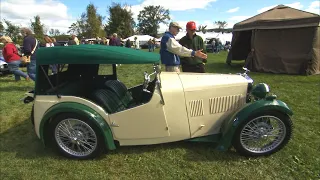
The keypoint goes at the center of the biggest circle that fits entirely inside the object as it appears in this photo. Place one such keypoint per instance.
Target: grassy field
(22, 155)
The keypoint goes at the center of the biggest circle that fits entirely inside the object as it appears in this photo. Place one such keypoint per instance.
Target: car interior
(104, 90)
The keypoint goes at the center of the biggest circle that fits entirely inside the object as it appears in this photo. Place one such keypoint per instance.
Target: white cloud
(296, 5)
(314, 7)
(235, 19)
(233, 10)
(210, 25)
(266, 8)
(53, 13)
(238, 18)
(177, 5)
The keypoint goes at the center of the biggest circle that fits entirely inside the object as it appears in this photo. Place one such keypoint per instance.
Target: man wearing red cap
(194, 42)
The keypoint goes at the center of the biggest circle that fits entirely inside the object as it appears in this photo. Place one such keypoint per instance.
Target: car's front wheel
(76, 137)
(263, 134)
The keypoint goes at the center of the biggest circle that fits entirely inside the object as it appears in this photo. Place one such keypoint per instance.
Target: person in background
(128, 43)
(10, 55)
(114, 41)
(170, 49)
(153, 44)
(217, 46)
(29, 44)
(71, 41)
(136, 43)
(213, 45)
(49, 43)
(76, 39)
(195, 42)
(150, 46)
(55, 42)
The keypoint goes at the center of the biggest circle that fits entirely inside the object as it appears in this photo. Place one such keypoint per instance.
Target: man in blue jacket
(171, 49)
(29, 44)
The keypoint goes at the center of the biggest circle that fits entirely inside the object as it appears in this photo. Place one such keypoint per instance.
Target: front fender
(72, 107)
(229, 126)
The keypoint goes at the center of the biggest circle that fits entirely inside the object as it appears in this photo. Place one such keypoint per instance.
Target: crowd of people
(14, 58)
(13, 55)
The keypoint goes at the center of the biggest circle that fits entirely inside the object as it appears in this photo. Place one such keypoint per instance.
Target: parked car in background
(63, 43)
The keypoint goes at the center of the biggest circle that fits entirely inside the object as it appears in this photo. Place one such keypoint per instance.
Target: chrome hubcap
(263, 134)
(75, 137)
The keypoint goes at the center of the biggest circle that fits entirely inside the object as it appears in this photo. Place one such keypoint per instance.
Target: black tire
(284, 118)
(99, 148)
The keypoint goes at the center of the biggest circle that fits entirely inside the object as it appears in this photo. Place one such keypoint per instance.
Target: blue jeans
(14, 68)
(31, 68)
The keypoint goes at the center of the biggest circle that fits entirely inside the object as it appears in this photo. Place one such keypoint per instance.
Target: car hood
(202, 81)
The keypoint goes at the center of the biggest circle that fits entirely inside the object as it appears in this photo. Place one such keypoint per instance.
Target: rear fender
(72, 107)
(229, 126)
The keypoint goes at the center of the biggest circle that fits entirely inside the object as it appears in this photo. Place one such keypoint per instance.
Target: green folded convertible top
(94, 54)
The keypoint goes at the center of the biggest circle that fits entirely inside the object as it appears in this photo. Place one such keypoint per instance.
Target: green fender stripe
(72, 107)
(229, 127)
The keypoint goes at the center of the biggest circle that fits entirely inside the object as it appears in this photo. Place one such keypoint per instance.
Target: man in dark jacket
(29, 44)
(194, 42)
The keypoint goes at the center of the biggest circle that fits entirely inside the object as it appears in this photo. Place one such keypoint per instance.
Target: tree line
(120, 20)
(90, 24)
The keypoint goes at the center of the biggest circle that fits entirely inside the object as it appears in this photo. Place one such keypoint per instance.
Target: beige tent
(280, 40)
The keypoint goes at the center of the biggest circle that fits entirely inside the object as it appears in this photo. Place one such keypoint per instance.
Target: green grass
(23, 156)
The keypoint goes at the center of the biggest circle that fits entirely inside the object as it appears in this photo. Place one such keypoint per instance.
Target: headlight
(260, 91)
(1, 66)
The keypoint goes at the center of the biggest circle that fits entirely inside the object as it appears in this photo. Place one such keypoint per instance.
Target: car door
(145, 121)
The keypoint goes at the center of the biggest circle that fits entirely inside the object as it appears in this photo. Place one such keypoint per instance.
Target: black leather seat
(108, 100)
(121, 91)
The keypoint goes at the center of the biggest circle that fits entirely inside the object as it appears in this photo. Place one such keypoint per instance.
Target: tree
(51, 32)
(202, 29)
(13, 31)
(94, 21)
(120, 20)
(75, 28)
(150, 18)
(1, 27)
(38, 28)
(54, 32)
(221, 24)
(89, 24)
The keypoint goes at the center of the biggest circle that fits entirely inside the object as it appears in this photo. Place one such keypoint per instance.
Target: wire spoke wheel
(75, 137)
(263, 134)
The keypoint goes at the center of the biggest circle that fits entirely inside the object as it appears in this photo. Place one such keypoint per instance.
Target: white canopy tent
(142, 38)
(206, 36)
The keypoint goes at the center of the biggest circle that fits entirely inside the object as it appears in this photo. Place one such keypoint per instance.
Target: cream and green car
(81, 112)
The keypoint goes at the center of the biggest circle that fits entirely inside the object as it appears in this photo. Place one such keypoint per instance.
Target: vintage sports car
(84, 109)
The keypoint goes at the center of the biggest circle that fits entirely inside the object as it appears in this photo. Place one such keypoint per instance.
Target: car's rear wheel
(263, 134)
(76, 137)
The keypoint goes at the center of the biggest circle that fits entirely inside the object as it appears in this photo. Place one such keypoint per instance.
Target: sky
(60, 14)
